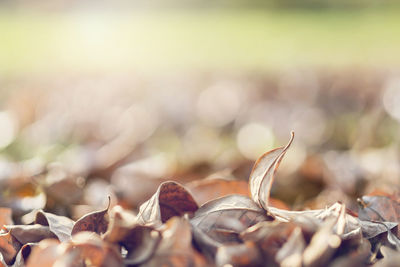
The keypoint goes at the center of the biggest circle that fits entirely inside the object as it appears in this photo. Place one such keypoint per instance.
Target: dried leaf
(2, 261)
(291, 252)
(93, 222)
(23, 255)
(269, 237)
(359, 256)
(323, 245)
(373, 229)
(262, 175)
(391, 257)
(175, 248)
(5, 217)
(89, 248)
(379, 208)
(9, 247)
(171, 199)
(61, 226)
(29, 233)
(140, 241)
(44, 254)
(246, 254)
(209, 189)
(222, 220)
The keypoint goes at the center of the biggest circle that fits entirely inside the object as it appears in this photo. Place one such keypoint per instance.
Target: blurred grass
(208, 39)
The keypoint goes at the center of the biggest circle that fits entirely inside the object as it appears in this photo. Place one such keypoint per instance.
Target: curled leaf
(262, 175)
(171, 199)
(61, 226)
(322, 246)
(379, 208)
(93, 222)
(222, 220)
(23, 254)
(140, 241)
(291, 252)
(9, 247)
(29, 233)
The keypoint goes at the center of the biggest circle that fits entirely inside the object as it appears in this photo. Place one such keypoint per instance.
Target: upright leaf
(262, 175)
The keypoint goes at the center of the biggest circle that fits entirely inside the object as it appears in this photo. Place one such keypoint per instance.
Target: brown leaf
(140, 241)
(359, 256)
(171, 199)
(23, 255)
(270, 236)
(9, 247)
(5, 217)
(61, 226)
(2, 261)
(323, 245)
(93, 222)
(88, 248)
(29, 233)
(373, 229)
(390, 257)
(291, 252)
(209, 189)
(246, 254)
(175, 248)
(262, 175)
(379, 208)
(44, 254)
(221, 220)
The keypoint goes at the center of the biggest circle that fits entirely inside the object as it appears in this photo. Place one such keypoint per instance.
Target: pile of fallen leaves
(208, 222)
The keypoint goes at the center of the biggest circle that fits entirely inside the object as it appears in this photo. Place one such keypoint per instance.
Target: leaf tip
(109, 202)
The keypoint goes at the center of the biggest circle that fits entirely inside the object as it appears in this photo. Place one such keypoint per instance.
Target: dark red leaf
(171, 199)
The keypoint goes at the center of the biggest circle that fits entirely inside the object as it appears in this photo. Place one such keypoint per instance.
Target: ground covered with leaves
(232, 229)
(77, 193)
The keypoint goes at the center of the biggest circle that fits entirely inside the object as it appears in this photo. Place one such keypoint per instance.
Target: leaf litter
(216, 221)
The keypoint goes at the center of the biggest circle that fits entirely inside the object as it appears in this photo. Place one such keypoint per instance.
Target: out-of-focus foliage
(65, 133)
(129, 132)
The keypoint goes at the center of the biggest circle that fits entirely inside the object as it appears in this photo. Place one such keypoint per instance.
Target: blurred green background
(226, 35)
